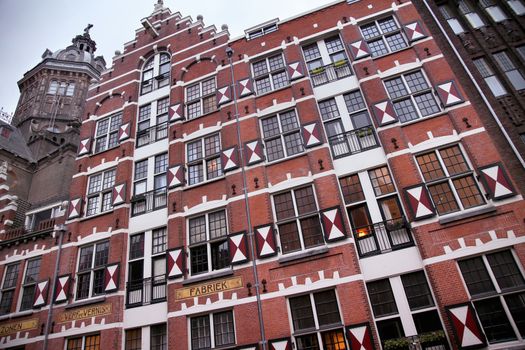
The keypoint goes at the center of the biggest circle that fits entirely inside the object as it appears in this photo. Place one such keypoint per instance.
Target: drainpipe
(61, 230)
(492, 112)
(229, 52)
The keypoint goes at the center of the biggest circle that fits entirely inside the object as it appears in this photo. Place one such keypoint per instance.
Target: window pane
(430, 166)
(382, 298)
(304, 197)
(405, 110)
(223, 328)
(200, 332)
(334, 340)
(381, 181)
(516, 304)
(302, 315)
(416, 290)
(454, 160)
(352, 190)
(159, 339)
(86, 258)
(195, 174)
(213, 168)
(197, 228)
(102, 254)
(327, 309)
(396, 88)
(294, 143)
(390, 329)
(160, 243)
(141, 169)
(307, 342)
(260, 68)
(194, 150)
(270, 127)
(427, 322)
(289, 236)
(370, 30)
(212, 145)
(199, 259)
(505, 270)
(494, 320)
(28, 298)
(161, 163)
(289, 121)
(284, 206)
(312, 233)
(396, 41)
(416, 81)
(6, 302)
(328, 109)
(220, 255)
(136, 246)
(443, 198)
(476, 276)
(217, 224)
(427, 104)
(468, 192)
(354, 101)
(32, 270)
(134, 339)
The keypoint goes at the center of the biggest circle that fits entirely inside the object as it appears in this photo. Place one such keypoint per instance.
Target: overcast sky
(28, 27)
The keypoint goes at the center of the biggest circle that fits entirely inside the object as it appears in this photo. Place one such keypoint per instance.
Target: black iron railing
(149, 201)
(147, 291)
(331, 72)
(152, 134)
(354, 141)
(383, 237)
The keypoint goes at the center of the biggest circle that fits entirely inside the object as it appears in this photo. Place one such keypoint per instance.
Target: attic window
(262, 29)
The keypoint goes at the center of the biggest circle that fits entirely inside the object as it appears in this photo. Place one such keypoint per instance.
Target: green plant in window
(395, 344)
(364, 132)
(318, 70)
(339, 63)
(431, 337)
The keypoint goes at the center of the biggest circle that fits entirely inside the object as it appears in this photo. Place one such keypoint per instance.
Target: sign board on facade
(87, 312)
(20, 326)
(203, 289)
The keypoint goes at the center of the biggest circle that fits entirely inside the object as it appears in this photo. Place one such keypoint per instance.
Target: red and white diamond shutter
(124, 132)
(312, 135)
(360, 337)
(119, 194)
(175, 112)
(223, 95)
(496, 182)
(385, 113)
(245, 87)
(238, 248)
(253, 152)
(359, 49)
(414, 31)
(295, 70)
(281, 344)
(449, 93)
(176, 176)
(334, 228)
(111, 277)
(41, 291)
(85, 146)
(62, 288)
(419, 202)
(175, 262)
(265, 241)
(466, 327)
(74, 210)
(229, 159)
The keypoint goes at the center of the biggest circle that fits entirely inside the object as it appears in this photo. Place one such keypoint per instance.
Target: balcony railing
(147, 291)
(149, 201)
(427, 341)
(152, 134)
(383, 237)
(354, 141)
(331, 72)
(18, 232)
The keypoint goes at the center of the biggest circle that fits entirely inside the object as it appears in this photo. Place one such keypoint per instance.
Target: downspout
(492, 112)
(60, 231)
(229, 52)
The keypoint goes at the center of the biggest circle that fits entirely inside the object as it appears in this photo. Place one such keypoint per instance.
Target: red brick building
(323, 182)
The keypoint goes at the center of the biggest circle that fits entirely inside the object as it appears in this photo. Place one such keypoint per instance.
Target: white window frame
(156, 80)
(12, 288)
(382, 36)
(92, 269)
(110, 135)
(205, 161)
(212, 94)
(155, 127)
(269, 74)
(212, 330)
(282, 136)
(83, 346)
(28, 284)
(101, 193)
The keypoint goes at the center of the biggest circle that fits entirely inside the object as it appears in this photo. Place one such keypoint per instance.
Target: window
(92, 262)
(513, 74)
(151, 128)
(61, 88)
(158, 337)
(8, 288)
(472, 17)
(490, 78)
(449, 179)
(89, 342)
(150, 184)
(383, 36)
(204, 159)
(201, 98)
(452, 21)
(208, 237)
(517, 6)
(297, 220)
(493, 10)
(256, 33)
(270, 74)
(40, 220)
(282, 135)
(327, 60)
(29, 284)
(402, 304)
(521, 51)
(134, 339)
(106, 135)
(412, 96)
(313, 314)
(497, 289)
(99, 194)
(156, 72)
(212, 331)
(351, 132)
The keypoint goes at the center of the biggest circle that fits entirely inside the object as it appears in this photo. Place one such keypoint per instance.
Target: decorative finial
(86, 30)
(159, 5)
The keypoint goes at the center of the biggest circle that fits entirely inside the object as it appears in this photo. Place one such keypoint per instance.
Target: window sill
(96, 215)
(207, 276)
(465, 215)
(85, 302)
(409, 46)
(303, 255)
(106, 150)
(16, 315)
(190, 187)
(276, 90)
(185, 120)
(420, 119)
(277, 161)
(320, 329)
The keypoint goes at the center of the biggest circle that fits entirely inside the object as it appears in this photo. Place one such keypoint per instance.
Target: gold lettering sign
(87, 312)
(14, 327)
(209, 288)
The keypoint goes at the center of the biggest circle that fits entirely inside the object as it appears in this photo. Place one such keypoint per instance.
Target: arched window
(53, 87)
(156, 72)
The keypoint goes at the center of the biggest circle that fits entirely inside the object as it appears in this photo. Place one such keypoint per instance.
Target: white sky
(28, 27)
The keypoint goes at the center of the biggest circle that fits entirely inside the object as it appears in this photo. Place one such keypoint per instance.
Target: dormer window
(61, 88)
(156, 72)
(262, 29)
